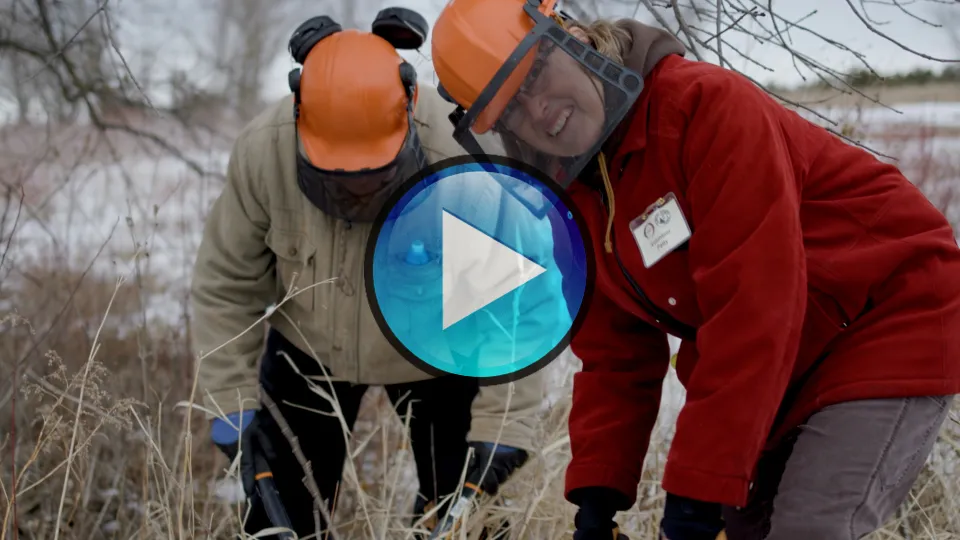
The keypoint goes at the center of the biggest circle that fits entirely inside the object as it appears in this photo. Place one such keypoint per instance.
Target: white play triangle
(477, 269)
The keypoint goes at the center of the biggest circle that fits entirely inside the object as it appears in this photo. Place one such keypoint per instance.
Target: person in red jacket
(816, 290)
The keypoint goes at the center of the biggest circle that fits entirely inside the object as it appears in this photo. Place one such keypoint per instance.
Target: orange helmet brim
(352, 155)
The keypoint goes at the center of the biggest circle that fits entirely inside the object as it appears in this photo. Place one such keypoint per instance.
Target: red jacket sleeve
(616, 397)
(747, 261)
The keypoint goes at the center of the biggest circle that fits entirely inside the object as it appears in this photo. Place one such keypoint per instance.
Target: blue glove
(251, 431)
(506, 459)
(689, 519)
(223, 433)
(499, 447)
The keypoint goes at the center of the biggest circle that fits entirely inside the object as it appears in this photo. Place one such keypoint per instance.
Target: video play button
(477, 268)
(465, 248)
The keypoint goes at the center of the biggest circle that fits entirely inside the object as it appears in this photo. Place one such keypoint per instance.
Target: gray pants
(845, 473)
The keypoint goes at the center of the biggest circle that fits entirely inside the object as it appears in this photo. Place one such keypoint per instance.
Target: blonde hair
(606, 36)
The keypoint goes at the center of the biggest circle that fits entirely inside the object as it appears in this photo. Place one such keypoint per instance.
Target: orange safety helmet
(355, 92)
(472, 40)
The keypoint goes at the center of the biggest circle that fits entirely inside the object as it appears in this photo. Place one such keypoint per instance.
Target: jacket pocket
(296, 267)
(824, 321)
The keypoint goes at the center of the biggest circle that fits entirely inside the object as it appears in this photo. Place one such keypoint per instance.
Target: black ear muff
(456, 116)
(408, 76)
(443, 93)
(293, 80)
(309, 34)
(401, 27)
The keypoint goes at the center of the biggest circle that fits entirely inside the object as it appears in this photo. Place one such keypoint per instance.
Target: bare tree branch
(691, 39)
(13, 230)
(49, 61)
(891, 40)
(308, 479)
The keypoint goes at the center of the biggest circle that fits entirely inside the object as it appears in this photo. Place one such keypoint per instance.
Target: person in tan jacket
(304, 181)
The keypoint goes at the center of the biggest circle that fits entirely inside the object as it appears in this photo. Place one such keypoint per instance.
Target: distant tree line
(865, 78)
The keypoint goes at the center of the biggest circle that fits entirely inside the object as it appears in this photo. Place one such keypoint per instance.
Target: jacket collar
(631, 134)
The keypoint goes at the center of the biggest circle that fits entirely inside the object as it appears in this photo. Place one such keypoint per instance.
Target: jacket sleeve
(233, 283)
(616, 398)
(747, 260)
(516, 426)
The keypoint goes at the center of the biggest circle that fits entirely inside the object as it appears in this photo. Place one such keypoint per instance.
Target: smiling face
(559, 109)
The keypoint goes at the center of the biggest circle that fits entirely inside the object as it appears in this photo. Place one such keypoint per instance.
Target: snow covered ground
(932, 114)
(145, 213)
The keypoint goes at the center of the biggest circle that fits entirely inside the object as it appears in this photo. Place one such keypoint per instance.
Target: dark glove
(689, 519)
(251, 438)
(594, 519)
(506, 459)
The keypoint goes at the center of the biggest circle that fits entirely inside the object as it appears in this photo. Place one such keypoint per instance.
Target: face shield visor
(359, 195)
(552, 104)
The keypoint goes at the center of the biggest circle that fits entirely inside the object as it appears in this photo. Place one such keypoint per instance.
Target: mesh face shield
(552, 104)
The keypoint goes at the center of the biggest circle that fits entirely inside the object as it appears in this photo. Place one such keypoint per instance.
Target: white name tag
(660, 230)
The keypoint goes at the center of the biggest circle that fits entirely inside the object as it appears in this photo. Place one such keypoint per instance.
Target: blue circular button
(477, 267)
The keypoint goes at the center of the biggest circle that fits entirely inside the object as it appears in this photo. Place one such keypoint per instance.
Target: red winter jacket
(802, 247)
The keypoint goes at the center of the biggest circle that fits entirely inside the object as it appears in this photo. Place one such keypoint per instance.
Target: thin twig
(331, 398)
(76, 419)
(913, 15)
(73, 293)
(891, 40)
(308, 479)
(656, 14)
(686, 30)
(116, 48)
(13, 231)
(15, 386)
(196, 378)
(70, 41)
(719, 33)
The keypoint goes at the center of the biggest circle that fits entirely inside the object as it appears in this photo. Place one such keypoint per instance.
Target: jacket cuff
(580, 475)
(704, 486)
(514, 432)
(243, 398)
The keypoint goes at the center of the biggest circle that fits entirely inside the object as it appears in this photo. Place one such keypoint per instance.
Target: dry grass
(94, 445)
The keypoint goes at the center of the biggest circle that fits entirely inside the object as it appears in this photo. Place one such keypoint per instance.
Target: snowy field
(146, 213)
(934, 115)
(141, 217)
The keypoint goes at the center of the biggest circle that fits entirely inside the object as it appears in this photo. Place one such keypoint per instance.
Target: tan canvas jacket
(263, 239)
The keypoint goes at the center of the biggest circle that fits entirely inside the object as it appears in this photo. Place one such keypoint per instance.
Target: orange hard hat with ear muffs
(354, 100)
(350, 104)
(494, 58)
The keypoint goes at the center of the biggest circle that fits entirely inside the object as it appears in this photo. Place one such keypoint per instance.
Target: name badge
(660, 229)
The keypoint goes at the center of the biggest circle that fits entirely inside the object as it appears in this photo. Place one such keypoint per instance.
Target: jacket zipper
(666, 321)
